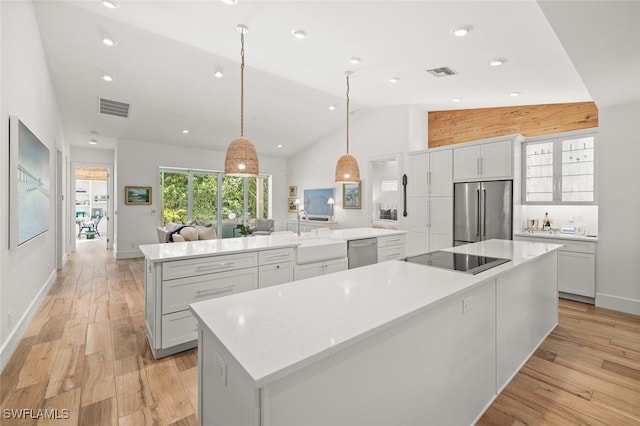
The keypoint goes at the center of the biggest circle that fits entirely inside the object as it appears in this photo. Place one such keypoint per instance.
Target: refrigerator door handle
(478, 214)
(484, 213)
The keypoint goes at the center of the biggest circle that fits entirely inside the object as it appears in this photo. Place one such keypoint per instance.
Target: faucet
(301, 212)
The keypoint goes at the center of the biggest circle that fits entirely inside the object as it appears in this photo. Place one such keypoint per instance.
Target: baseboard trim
(129, 254)
(622, 304)
(12, 342)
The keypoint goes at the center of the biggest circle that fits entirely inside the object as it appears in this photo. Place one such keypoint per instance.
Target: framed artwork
(351, 196)
(292, 204)
(29, 184)
(293, 191)
(96, 212)
(137, 195)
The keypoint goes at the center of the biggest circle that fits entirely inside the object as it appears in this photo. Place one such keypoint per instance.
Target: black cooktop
(469, 263)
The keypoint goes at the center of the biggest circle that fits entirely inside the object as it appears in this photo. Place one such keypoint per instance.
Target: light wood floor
(86, 352)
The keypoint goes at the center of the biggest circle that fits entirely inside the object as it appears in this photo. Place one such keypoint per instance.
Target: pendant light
(241, 158)
(347, 170)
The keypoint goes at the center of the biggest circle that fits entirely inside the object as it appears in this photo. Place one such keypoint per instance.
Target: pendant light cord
(242, 85)
(347, 113)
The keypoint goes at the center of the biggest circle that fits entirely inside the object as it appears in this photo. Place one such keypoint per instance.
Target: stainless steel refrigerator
(482, 211)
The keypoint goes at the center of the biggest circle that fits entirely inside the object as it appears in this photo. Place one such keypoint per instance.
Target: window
(193, 196)
(559, 170)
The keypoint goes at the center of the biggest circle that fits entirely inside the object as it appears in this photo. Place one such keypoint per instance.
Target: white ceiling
(167, 51)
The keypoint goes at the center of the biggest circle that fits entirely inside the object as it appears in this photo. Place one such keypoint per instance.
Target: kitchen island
(391, 343)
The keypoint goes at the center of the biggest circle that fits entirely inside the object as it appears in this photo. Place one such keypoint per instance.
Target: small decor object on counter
(245, 230)
(546, 222)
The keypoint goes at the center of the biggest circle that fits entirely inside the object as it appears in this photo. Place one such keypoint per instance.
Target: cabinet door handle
(219, 265)
(481, 165)
(429, 213)
(278, 256)
(203, 293)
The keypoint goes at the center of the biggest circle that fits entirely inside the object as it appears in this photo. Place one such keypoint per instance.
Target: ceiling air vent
(119, 109)
(441, 72)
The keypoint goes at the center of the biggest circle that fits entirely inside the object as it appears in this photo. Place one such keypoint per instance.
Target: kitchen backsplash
(579, 216)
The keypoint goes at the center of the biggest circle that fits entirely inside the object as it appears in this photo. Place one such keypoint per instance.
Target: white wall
(27, 272)
(618, 176)
(137, 163)
(372, 133)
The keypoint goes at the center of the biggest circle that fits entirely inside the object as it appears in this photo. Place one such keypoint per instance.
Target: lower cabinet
(315, 269)
(276, 266)
(391, 247)
(576, 265)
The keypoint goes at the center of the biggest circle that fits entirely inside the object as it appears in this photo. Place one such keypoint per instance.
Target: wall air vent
(119, 109)
(441, 72)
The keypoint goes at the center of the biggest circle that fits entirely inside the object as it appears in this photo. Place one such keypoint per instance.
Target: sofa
(178, 232)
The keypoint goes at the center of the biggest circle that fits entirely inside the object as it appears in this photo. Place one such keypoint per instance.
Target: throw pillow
(205, 233)
(189, 234)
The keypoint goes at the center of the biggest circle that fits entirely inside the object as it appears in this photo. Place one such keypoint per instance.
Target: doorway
(91, 205)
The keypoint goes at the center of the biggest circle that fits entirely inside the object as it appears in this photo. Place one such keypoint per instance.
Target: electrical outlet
(467, 304)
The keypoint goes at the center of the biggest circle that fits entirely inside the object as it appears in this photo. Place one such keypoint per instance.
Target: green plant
(245, 230)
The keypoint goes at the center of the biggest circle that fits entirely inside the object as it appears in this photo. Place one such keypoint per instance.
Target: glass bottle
(546, 222)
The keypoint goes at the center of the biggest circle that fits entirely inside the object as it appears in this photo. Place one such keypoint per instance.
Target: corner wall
(618, 175)
(138, 163)
(27, 272)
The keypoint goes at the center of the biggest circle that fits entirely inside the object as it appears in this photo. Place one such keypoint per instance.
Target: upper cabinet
(491, 160)
(431, 174)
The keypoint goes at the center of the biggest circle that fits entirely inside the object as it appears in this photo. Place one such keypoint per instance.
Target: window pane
(259, 197)
(539, 172)
(577, 169)
(174, 197)
(205, 198)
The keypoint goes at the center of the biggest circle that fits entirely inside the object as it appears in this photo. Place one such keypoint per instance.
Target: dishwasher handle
(363, 243)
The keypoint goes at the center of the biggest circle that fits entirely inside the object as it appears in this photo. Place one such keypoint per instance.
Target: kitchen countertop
(274, 331)
(162, 252)
(556, 235)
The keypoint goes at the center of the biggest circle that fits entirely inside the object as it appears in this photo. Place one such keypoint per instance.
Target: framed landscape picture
(292, 205)
(351, 196)
(137, 195)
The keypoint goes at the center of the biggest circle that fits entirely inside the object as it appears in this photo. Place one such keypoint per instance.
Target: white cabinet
(308, 226)
(276, 267)
(576, 265)
(492, 160)
(430, 201)
(391, 247)
(172, 285)
(319, 268)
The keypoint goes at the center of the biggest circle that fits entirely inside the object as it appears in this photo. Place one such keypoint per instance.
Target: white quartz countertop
(556, 235)
(274, 331)
(191, 249)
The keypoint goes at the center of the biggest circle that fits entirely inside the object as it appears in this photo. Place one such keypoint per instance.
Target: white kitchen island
(391, 343)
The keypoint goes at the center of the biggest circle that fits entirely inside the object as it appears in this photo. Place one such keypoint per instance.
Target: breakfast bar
(390, 343)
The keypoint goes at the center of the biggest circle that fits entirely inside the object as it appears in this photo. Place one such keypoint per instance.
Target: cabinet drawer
(390, 253)
(268, 257)
(569, 245)
(391, 240)
(207, 265)
(177, 294)
(278, 273)
(178, 327)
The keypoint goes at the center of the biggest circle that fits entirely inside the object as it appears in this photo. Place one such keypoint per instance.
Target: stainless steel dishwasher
(362, 252)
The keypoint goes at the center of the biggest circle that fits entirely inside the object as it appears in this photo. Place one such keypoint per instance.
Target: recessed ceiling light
(456, 99)
(107, 77)
(514, 94)
(108, 41)
(355, 60)
(218, 74)
(110, 4)
(185, 131)
(394, 79)
(279, 145)
(496, 62)
(230, 2)
(93, 142)
(461, 31)
(332, 107)
(299, 34)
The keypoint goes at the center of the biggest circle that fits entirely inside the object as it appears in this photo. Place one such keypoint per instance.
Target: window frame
(557, 140)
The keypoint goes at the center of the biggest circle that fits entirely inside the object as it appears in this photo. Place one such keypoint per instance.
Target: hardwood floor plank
(99, 413)
(25, 398)
(144, 417)
(98, 380)
(65, 407)
(631, 410)
(191, 420)
(68, 370)
(171, 400)
(99, 338)
(14, 367)
(37, 367)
